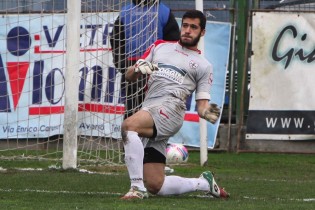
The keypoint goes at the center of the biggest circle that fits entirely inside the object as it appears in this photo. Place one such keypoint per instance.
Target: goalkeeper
(132, 34)
(176, 70)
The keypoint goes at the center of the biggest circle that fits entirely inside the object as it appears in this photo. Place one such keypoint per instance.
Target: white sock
(134, 153)
(176, 185)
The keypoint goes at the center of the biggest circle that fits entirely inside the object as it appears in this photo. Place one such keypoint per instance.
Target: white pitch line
(120, 194)
(54, 168)
(62, 191)
(275, 180)
(282, 199)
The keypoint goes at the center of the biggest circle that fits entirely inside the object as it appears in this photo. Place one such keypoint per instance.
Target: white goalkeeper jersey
(181, 72)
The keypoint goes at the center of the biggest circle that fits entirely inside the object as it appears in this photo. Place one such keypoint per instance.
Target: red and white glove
(145, 67)
(212, 113)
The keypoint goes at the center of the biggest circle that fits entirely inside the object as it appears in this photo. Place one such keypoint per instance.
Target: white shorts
(168, 116)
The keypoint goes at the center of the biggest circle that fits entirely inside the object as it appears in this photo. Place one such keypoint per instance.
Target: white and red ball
(176, 153)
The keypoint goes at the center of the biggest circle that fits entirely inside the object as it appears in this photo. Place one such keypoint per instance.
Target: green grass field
(255, 181)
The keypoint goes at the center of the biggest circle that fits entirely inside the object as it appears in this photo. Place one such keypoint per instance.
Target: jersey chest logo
(193, 64)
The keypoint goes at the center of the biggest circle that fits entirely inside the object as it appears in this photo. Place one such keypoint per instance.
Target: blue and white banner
(217, 48)
(32, 74)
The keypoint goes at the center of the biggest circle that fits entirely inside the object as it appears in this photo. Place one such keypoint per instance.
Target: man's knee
(126, 125)
(154, 186)
(154, 164)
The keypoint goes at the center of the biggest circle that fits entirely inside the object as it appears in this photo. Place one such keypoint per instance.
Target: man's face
(190, 32)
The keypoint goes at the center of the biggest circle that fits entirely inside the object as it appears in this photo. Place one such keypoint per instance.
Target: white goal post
(202, 122)
(69, 159)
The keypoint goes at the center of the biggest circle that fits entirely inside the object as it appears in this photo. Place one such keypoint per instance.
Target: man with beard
(133, 32)
(176, 70)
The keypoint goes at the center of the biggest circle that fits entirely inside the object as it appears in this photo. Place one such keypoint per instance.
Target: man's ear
(203, 32)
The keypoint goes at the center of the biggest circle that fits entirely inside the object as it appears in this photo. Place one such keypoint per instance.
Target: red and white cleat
(223, 193)
(214, 189)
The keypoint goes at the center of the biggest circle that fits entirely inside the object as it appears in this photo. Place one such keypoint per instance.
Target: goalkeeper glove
(212, 113)
(145, 67)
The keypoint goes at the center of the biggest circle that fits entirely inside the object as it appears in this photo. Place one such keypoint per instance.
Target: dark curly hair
(196, 14)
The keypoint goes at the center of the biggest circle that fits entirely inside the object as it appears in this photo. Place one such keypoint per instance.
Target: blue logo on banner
(18, 41)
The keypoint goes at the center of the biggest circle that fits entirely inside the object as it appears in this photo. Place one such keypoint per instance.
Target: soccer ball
(176, 153)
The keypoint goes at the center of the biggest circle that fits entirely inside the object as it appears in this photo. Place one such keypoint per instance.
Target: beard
(192, 43)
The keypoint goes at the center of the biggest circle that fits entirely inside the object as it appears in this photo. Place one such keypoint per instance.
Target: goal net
(33, 94)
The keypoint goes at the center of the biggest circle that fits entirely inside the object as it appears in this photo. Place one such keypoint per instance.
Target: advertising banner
(32, 74)
(282, 104)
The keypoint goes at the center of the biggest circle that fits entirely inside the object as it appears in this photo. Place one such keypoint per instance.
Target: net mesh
(32, 81)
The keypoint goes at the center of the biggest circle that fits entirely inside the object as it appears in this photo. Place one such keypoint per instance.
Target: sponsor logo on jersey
(171, 72)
